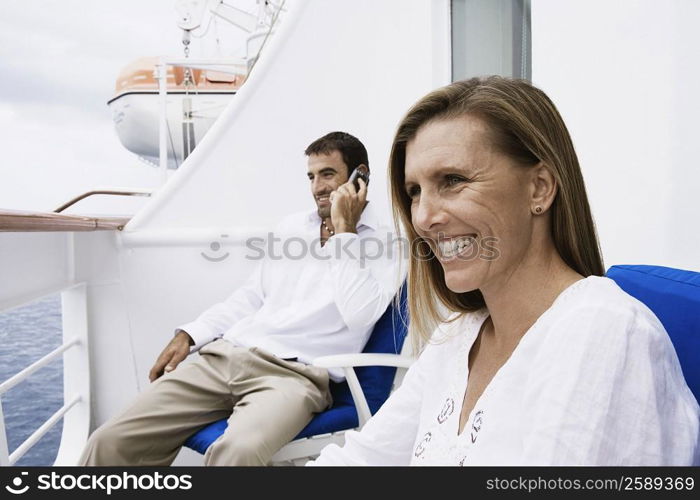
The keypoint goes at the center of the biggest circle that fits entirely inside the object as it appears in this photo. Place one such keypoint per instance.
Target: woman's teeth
(453, 247)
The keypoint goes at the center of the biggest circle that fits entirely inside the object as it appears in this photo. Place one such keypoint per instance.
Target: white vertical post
(441, 25)
(163, 119)
(4, 451)
(76, 375)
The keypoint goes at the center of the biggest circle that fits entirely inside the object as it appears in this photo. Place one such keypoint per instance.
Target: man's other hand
(177, 350)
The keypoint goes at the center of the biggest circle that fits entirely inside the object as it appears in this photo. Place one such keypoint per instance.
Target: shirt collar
(367, 218)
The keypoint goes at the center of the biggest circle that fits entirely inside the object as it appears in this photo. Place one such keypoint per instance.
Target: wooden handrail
(23, 221)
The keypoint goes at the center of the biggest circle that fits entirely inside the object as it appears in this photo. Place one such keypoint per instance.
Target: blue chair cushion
(387, 336)
(674, 296)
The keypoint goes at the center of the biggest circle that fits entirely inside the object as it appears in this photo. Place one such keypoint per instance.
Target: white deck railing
(16, 379)
(75, 378)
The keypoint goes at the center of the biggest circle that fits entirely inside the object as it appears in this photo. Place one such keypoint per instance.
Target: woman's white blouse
(595, 381)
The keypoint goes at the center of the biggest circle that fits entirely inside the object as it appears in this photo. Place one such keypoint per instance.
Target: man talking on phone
(256, 347)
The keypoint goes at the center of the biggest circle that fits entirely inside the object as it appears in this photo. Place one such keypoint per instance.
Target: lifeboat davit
(195, 98)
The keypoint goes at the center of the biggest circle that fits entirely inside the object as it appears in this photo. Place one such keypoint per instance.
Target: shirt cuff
(199, 333)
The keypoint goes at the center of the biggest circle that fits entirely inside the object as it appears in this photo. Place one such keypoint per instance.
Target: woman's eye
(453, 180)
(413, 191)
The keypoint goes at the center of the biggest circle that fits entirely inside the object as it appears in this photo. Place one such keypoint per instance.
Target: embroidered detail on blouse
(420, 449)
(476, 424)
(446, 411)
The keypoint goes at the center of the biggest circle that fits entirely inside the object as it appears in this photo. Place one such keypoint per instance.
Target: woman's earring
(538, 210)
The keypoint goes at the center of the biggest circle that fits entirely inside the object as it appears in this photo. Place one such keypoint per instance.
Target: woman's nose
(428, 213)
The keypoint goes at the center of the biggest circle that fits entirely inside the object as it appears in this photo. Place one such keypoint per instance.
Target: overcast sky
(58, 66)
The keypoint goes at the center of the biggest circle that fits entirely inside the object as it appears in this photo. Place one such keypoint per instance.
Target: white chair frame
(300, 451)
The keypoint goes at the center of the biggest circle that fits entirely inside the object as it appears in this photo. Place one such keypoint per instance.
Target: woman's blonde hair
(524, 125)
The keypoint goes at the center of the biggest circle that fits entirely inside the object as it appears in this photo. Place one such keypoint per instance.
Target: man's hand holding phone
(348, 201)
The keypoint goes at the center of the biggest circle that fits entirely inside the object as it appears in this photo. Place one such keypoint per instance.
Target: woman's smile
(452, 248)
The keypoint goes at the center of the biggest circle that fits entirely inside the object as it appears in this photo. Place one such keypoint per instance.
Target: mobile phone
(360, 172)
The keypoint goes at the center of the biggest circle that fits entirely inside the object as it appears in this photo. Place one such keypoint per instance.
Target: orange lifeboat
(195, 98)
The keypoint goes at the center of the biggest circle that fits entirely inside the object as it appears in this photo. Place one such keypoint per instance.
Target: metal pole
(4, 451)
(163, 122)
(16, 379)
(41, 431)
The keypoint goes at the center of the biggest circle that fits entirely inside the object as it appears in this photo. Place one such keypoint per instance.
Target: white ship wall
(355, 66)
(625, 77)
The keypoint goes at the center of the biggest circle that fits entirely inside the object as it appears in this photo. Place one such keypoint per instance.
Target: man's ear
(544, 188)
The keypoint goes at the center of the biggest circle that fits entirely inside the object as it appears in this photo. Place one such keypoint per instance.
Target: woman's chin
(460, 284)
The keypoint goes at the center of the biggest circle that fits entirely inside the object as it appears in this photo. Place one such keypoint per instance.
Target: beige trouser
(272, 400)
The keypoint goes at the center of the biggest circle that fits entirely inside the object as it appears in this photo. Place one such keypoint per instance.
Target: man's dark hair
(350, 148)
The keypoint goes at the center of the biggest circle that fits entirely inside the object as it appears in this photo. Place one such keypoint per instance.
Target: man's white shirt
(303, 300)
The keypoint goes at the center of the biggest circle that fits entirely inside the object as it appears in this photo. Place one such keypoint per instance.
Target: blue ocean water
(27, 334)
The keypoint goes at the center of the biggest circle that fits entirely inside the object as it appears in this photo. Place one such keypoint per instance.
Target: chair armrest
(349, 361)
(363, 359)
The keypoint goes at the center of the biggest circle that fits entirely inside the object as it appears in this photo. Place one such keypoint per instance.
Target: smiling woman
(532, 357)
(498, 147)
